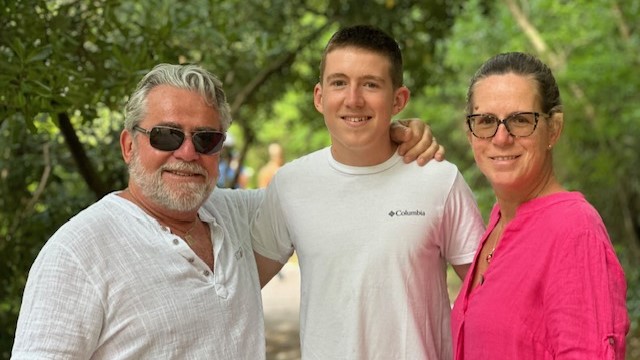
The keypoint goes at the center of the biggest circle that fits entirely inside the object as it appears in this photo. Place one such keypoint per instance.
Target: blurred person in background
(232, 174)
(276, 160)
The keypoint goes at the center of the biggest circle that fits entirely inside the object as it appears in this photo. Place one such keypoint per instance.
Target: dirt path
(281, 302)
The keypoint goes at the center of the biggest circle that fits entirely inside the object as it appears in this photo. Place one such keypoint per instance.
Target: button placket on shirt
(219, 275)
(185, 251)
(192, 259)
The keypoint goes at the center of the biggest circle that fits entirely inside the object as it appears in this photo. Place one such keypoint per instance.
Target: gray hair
(188, 77)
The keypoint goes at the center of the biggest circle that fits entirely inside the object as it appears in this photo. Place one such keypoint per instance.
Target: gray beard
(187, 197)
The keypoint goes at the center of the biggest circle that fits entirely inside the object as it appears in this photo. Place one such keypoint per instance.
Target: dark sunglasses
(167, 138)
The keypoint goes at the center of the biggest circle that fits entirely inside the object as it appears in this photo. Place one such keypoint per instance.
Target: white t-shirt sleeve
(463, 224)
(269, 232)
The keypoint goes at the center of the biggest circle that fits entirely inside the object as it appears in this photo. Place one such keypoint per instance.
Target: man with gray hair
(154, 271)
(164, 268)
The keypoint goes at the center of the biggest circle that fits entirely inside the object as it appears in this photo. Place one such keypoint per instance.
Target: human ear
(317, 97)
(126, 145)
(401, 98)
(556, 124)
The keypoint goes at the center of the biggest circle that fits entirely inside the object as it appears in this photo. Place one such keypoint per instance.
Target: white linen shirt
(112, 283)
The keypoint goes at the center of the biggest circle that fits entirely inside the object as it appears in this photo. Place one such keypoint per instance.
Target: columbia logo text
(393, 213)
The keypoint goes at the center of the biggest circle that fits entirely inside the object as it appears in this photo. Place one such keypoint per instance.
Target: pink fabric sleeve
(585, 298)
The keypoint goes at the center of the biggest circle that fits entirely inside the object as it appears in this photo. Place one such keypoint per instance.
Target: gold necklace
(499, 234)
(187, 235)
(490, 255)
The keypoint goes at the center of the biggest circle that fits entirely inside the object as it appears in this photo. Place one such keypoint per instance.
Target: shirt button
(206, 273)
(611, 341)
(176, 241)
(191, 260)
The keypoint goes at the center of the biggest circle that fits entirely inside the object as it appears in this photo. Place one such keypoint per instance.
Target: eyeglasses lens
(521, 124)
(486, 125)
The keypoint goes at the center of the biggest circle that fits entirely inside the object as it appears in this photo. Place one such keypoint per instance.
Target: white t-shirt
(112, 283)
(372, 244)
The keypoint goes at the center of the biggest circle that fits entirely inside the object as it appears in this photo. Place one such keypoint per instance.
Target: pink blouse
(554, 289)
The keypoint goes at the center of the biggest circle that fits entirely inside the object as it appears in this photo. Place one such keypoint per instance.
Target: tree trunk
(88, 173)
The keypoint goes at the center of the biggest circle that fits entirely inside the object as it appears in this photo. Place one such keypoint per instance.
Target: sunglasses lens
(170, 139)
(165, 138)
(208, 142)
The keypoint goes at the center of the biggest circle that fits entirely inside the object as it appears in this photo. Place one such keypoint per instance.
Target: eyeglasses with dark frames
(166, 138)
(520, 124)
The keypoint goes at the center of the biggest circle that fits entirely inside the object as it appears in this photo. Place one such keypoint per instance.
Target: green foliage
(66, 68)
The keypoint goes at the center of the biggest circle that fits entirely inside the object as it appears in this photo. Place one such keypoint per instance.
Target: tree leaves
(73, 63)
